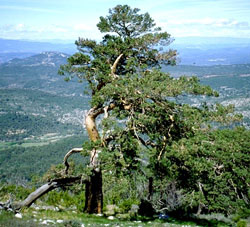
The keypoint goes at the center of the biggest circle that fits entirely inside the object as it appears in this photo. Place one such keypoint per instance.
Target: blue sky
(70, 19)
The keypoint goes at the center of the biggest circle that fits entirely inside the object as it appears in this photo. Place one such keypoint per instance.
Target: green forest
(153, 145)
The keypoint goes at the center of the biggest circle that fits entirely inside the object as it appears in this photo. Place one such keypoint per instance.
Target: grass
(33, 217)
(36, 141)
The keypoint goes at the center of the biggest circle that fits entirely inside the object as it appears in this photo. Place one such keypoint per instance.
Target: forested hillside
(231, 81)
(38, 107)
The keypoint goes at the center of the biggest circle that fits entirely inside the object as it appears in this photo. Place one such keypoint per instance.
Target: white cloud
(206, 27)
(23, 31)
(222, 22)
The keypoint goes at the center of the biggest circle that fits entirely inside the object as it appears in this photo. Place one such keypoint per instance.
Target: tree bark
(93, 193)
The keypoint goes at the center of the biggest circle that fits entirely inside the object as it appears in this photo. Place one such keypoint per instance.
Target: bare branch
(114, 66)
(65, 160)
(56, 183)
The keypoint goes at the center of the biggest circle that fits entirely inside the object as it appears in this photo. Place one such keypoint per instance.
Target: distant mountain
(192, 50)
(38, 72)
(203, 42)
(20, 46)
(10, 49)
(212, 50)
(35, 100)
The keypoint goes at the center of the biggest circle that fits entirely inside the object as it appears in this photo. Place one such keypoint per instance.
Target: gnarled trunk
(93, 193)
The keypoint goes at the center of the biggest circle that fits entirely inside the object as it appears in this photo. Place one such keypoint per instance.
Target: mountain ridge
(192, 50)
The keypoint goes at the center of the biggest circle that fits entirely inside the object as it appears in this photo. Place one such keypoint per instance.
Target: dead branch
(114, 66)
(65, 160)
(51, 185)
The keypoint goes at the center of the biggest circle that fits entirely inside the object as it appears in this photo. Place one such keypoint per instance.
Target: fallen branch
(53, 184)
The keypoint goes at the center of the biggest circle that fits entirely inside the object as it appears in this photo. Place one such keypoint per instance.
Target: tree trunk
(93, 194)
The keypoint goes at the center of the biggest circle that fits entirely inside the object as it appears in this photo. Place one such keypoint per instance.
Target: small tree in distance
(134, 101)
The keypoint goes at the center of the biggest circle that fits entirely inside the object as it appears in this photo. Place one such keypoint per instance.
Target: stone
(123, 216)
(46, 222)
(111, 217)
(18, 215)
(134, 208)
(111, 210)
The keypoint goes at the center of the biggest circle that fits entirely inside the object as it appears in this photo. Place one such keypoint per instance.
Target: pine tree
(134, 100)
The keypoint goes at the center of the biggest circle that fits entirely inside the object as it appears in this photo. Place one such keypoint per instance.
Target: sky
(69, 19)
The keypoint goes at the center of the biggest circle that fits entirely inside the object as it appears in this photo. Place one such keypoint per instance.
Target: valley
(42, 116)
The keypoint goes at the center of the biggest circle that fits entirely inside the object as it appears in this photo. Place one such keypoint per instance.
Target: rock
(134, 210)
(111, 217)
(18, 215)
(45, 222)
(123, 216)
(111, 210)
(59, 221)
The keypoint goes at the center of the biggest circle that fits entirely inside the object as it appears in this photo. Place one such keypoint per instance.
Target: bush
(241, 223)
(17, 192)
(126, 205)
(66, 198)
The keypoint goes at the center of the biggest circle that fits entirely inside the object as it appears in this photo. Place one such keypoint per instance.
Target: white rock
(111, 217)
(45, 222)
(59, 221)
(18, 215)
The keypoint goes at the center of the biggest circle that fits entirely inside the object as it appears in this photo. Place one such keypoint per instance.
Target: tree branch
(65, 160)
(53, 184)
(113, 68)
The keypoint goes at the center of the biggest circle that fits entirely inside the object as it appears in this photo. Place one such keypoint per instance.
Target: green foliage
(126, 22)
(125, 205)
(241, 223)
(27, 113)
(212, 170)
(14, 192)
(67, 198)
(16, 160)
